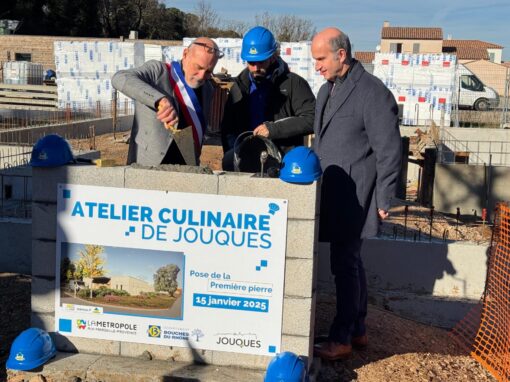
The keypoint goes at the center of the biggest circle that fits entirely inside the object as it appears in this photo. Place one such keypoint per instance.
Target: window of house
(396, 47)
(492, 56)
(23, 56)
(416, 48)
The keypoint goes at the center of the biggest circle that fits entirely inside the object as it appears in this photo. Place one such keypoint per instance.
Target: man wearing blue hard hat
(266, 98)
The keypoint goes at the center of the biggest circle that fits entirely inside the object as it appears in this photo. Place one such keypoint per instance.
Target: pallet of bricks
(23, 88)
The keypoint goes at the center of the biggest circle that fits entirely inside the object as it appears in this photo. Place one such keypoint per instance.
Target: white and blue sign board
(168, 268)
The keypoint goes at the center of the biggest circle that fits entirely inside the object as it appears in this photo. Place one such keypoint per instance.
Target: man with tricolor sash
(168, 98)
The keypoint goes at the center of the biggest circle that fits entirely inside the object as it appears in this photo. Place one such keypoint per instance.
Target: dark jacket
(357, 139)
(289, 109)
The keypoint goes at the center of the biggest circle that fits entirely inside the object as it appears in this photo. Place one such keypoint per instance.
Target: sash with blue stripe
(188, 103)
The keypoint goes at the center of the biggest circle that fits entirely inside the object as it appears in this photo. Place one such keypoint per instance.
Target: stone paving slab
(94, 368)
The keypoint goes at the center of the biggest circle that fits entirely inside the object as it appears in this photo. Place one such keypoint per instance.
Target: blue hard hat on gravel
(258, 45)
(51, 151)
(300, 165)
(30, 349)
(286, 367)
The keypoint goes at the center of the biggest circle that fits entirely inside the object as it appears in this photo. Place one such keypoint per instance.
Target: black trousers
(351, 290)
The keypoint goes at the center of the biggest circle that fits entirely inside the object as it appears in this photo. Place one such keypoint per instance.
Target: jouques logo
(241, 340)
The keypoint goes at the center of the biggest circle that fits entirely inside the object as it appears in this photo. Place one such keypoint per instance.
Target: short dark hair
(341, 42)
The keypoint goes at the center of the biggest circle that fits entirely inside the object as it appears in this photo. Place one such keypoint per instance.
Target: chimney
(386, 24)
(449, 36)
(133, 35)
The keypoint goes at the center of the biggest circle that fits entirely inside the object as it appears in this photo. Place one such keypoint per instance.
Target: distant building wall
(426, 46)
(130, 284)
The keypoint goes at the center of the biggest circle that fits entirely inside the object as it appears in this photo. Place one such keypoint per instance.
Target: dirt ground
(400, 350)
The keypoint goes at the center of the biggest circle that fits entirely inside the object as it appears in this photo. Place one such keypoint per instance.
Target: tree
(286, 28)
(165, 279)
(163, 23)
(67, 270)
(206, 20)
(90, 262)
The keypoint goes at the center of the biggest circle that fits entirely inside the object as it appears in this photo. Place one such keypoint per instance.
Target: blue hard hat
(30, 349)
(51, 151)
(286, 367)
(300, 165)
(258, 45)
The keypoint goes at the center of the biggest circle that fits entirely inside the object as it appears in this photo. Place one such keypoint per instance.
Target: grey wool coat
(358, 142)
(147, 84)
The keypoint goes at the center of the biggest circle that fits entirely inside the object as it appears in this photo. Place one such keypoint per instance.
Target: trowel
(183, 138)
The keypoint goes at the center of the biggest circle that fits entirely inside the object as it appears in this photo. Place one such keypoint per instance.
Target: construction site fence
(75, 112)
(484, 332)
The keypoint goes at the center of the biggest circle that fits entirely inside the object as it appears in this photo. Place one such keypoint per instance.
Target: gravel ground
(399, 350)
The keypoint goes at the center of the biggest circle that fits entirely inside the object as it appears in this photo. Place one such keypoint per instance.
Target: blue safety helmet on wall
(300, 165)
(258, 45)
(30, 349)
(286, 367)
(51, 151)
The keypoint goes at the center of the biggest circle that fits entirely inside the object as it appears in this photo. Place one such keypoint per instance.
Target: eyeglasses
(210, 49)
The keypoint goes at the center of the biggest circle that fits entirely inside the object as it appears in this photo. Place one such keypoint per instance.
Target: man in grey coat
(167, 97)
(358, 142)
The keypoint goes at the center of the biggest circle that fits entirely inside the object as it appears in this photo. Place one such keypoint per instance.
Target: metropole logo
(81, 324)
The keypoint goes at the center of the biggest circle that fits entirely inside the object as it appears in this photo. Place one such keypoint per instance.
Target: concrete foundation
(434, 283)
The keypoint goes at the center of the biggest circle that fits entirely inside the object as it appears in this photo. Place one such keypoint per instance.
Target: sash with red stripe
(188, 103)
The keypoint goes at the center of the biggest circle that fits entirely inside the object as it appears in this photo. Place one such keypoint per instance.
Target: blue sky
(362, 19)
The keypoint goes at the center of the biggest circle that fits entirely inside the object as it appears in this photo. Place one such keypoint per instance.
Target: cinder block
(45, 321)
(166, 353)
(151, 179)
(297, 344)
(222, 358)
(303, 199)
(44, 258)
(44, 221)
(298, 278)
(297, 313)
(45, 180)
(86, 345)
(301, 238)
(43, 294)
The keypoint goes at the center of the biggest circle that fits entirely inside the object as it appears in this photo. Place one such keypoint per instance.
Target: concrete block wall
(301, 254)
(470, 187)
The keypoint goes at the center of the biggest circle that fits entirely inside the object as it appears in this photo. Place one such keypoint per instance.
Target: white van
(473, 93)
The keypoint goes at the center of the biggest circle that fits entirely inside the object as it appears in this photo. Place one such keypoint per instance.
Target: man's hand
(167, 114)
(261, 130)
(382, 213)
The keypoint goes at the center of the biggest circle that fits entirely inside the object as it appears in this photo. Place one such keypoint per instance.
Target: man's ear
(342, 55)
